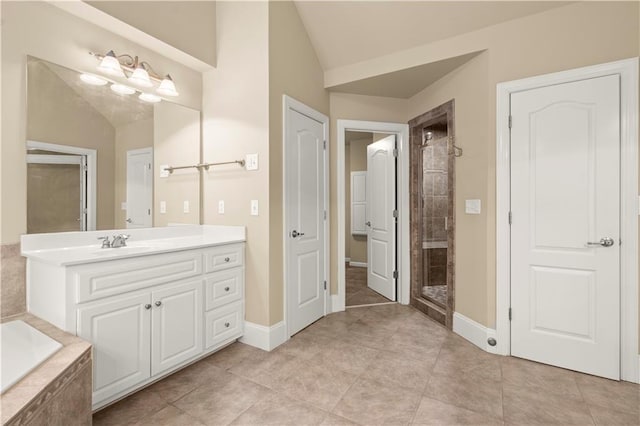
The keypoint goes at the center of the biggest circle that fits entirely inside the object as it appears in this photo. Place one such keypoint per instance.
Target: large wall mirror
(96, 158)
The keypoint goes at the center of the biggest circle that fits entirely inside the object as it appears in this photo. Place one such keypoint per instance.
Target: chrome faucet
(119, 240)
(105, 242)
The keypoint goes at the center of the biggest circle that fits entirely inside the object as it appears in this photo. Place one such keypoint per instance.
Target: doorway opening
(433, 153)
(373, 214)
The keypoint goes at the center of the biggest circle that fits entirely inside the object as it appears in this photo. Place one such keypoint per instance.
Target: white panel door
(565, 195)
(139, 188)
(381, 202)
(305, 187)
(119, 331)
(358, 203)
(176, 334)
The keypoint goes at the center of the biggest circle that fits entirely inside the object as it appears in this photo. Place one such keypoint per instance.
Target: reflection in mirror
(94, 156)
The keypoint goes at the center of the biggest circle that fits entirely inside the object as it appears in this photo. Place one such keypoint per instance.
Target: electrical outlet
(163, 207)
(164, 173)
(185, 207)
(221, 207)
(254, 207)
(251, 162)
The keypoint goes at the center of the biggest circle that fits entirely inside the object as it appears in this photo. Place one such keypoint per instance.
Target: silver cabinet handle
(604, 242)
(226, 324)
(368, 223)
(226, 259)
(147, 306)
(295, 234)
(158, 303)
(226, 289)
(129, 220)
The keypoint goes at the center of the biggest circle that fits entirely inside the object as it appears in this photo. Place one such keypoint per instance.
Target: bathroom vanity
(169, 297)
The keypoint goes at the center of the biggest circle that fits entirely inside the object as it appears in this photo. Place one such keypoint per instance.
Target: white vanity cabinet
(146, 316)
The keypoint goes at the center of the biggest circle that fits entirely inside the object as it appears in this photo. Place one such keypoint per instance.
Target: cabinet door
(120, 332)
(177, 325)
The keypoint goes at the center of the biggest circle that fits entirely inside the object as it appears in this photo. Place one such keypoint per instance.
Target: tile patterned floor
(386, 364)
(357, 292)
(438, 293)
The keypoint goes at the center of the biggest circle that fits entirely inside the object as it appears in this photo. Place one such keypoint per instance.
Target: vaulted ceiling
(344, 33)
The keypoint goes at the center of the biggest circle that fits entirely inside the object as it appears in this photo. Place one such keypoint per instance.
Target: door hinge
(395, 152)
(510, 218)
(149, 166)
(510, 121)
(325, 285)
(324, 144)
(509, 314)
(149, 212)
(324, 215)
(395, 214)
(395, 275)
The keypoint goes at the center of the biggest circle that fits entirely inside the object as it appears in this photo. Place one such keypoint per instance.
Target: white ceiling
(347, 32)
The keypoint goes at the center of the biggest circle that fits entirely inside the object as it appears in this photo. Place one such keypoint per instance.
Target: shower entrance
(433, 153)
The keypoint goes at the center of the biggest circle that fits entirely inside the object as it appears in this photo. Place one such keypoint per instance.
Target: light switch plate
(185, 206)
(123, 206)
(254, 207)
(163, 171)
(163, 207)
(221, 207)
(472, 206)
(251, 162)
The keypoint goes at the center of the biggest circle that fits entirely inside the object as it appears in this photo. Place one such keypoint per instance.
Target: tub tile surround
(337, 372)
(59, 390)
(12, 280)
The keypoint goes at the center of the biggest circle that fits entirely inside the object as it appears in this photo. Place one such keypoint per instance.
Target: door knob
(604, 242)
(368, 223)
(129, 220)
(295, 234)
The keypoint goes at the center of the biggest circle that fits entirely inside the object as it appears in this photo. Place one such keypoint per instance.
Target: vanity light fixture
(122, 89)
(137, 72)
(149, 97)
(93, 80)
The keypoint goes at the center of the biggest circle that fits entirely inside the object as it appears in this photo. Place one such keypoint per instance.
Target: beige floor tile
(346, 357)
(414, 342)
(365, 296)
(544, 378)
(333, 420)
(215, 404)
(391, 368)
(523, 405)
(184, 381)
(169, 416)
(304, 346)
(272, 370)
(233, 354)
(461, 358)
(608, 417)
(130, 410)
(319, 386)
(434, 412)
(278, 410)
(618, 396)
(372, 403)
(466, 392)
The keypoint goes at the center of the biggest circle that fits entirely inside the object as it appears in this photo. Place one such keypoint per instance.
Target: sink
(122, 250)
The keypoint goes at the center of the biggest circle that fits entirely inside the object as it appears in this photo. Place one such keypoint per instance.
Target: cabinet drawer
(223, 287)
(102, 279)
(223, 257)
(223, 324)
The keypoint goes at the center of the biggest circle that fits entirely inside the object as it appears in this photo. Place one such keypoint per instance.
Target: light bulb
(122, 89)
(94, 80)
(149, 97)
(140, 77)
(110, 65)
(167, 87)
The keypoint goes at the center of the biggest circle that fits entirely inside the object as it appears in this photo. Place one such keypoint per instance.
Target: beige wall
(56, 114)
(556, 40)
(355, 161)
(344, 106)
(186, 25)
(294, 70)
(236, 122)
(176, 142)
(46, 32)
(136, 135)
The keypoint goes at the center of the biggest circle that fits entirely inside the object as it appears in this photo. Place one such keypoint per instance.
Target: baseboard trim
(337, 303)
(263, 337)
(474, 332)
(358, 264)
(347, 259)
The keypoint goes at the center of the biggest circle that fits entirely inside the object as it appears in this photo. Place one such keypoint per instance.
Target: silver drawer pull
(227, 289)
(226, 324)
(226, 259)
(158, 303)
(147, 306)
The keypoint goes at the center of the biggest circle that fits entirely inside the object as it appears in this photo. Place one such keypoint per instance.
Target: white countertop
(75, 248)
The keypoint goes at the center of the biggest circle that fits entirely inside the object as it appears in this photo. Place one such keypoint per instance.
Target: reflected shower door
(56, 193)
